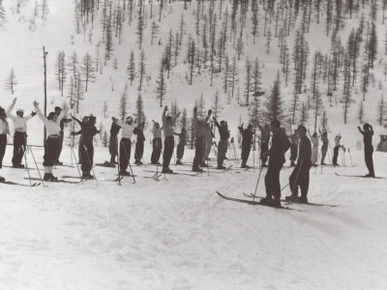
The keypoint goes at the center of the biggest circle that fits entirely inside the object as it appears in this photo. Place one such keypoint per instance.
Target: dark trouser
(60, 146)
(222, 150)
(157, 146)
(180, 151)
(87, 153)
(335, 155)
(50, 150)
(264, 149)
(272, 182)
(368, 151)
(207, 149)
(79, 150)
(324, 149)
(169, 143)
(19, 146)
(113, 148)
(245, 153)
(299, 178)
(199, 152)
(3, 145)
(293, 152)
(139, 151)
(125, 148)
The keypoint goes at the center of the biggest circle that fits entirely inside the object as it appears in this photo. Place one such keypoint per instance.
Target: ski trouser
(139, 151)
(3, 145)
(199, 152)
(293, 152)
(324, 149)
(169, 143)
(207, 149)
(60, 146)
(157, 146)
(299, 178)
(314, 154)
(180, 151)
(113, 148)
(79, 149)
(50, 150)
(272, 181)
(222, 150)
(19, 146)
(264, 149)
(335, 155)
(368, 151)
(87, 153)
(245, 152)
(125, 149)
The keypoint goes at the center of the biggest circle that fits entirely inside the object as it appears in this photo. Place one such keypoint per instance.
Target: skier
(51, 144)
(57, 111)
(367, 133)
(20, 136)
(207, 143)
(324, 147)
(200, 128)
(265, 137)
(314, 138)
(247, 137)
(293, 148)
(126, 143)
(279, 145)
(299, 178)
(157, 144)
(4, 130)
(88, 131)
(169, 141)
(181, 146)
(223, 142)
(336, 150)
(139, 151)
(113, 142)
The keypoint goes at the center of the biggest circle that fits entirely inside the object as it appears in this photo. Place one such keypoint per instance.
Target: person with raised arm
(247, 137)
(139, 151)
(88, 131)
(200, 127)
(324, 147)
(113, 142)
(265, 137)
(157, 143)
(223, 142)
(4, 130)
(336, 150)
(20, 136)
(51, 144)
(169, 142)
(181, 146)
(65, 120)
(314, 139)
(126, 143)
(367, 133)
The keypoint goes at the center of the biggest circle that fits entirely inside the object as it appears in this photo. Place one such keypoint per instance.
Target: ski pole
(25, 161)
(118, 166)
(90, 163)
(256, 185)
(36, 165)
(76, 161)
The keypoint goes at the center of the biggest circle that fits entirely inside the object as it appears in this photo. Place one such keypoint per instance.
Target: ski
(252, 202)
(106, 165)
(98, 179)
(358, 175)
(288, 202)
(20, 184)
(55, 181)
(176, 173)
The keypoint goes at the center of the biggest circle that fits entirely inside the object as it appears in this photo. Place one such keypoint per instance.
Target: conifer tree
(161, 86)
(274, 105)
(131, 69)
(88, 70)
(141, 69)
(155, 30)
(60, 70)
(11, 82)
(123, 109)
(140, 115)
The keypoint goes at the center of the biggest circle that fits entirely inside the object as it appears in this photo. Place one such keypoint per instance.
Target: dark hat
(275, 123)
(58, 108)
(301, 127)
(51, 115)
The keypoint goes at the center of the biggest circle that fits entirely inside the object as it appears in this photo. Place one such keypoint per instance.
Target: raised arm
(76, 119)
(10, 108)
(39, 112)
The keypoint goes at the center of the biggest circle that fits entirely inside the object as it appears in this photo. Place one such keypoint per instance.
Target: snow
(176, 232)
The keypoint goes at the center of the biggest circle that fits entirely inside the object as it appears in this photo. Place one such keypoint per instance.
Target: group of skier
(303, 151)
